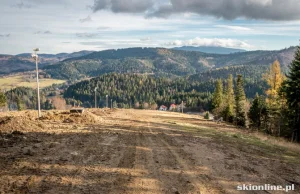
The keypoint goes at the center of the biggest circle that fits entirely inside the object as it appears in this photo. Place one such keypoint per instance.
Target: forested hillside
(161, 62)
(196, 90)
(23, 98)
(129, 90)
(133, 60)
(252, 75)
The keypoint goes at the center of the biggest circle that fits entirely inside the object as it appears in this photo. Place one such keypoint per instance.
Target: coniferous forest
(275, 112)
(257, 97)
(139, 91)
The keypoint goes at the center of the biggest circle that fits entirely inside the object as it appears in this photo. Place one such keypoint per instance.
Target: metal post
(111, 106)
(96, 97)
(35, 56)
(182, 106)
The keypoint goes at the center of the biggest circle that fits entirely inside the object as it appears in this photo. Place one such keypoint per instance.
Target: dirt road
(136, 151)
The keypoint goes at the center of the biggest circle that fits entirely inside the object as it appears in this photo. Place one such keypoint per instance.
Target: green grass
(19, 81)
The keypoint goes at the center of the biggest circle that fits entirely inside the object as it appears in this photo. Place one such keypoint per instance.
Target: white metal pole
(38, 84)
(96, 97)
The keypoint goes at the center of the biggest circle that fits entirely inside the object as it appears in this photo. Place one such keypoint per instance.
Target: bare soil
(137, 151)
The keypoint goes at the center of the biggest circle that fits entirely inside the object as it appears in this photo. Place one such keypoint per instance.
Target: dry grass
(277, 141)
(19, 81)
(136, 151)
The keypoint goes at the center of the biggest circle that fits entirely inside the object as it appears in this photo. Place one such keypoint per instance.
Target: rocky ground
(137, 151)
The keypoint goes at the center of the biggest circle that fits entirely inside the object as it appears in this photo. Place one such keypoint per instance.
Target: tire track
(189, 178)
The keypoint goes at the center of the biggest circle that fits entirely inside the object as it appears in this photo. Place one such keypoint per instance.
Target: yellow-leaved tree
(274, 78)
(274, 101)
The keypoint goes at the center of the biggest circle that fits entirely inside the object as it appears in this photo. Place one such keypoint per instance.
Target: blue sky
(72, 25)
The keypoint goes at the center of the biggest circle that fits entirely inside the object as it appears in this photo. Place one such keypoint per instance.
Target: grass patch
(245, 142)
(19, 81)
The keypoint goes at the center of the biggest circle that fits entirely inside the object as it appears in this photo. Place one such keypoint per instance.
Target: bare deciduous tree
(59, 103)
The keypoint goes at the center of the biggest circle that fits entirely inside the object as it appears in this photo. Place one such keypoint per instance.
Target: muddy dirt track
(136, 151)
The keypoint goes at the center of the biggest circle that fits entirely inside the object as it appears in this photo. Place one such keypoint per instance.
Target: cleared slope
(137, 151)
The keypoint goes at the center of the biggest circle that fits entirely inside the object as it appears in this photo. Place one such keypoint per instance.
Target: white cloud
(145, 39)
(259, 2)
(218, 42)
(235, 28)
(61, 17)
(43, 32)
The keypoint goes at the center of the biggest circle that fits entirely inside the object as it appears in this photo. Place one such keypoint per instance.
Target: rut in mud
(135, 151)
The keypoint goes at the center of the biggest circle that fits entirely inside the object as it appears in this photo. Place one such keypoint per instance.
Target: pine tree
(257, 111)
(20, 104)
(217, 100)
(48, 105)
(115, 105)
(240, 103)
(229, 96)
(291, 90)
(206, 116)
(2, 99)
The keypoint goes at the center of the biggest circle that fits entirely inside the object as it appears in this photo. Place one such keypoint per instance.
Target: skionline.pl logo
(266, 187)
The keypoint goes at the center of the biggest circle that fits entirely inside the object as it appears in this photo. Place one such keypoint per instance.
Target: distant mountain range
(161, 62)
(158, 61)
(210, 49)
(60, 56)
(24, 62)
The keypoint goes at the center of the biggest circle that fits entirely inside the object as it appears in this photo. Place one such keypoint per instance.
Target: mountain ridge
(210, 49)
(161, 61)
(24, 62)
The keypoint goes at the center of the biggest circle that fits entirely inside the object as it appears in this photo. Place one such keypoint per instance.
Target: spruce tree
(115, 105)
(257, 111)
(20, 104)
(2, 99)
(229, 109)
(240, 103)
(217, 100)
(291, 89)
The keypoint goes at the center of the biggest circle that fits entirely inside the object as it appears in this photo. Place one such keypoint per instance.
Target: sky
(57, 26)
